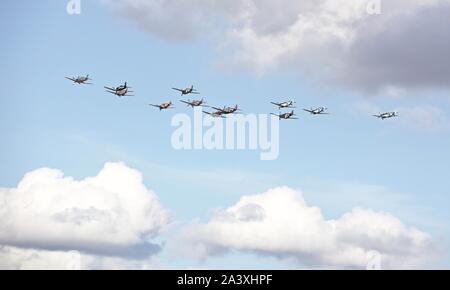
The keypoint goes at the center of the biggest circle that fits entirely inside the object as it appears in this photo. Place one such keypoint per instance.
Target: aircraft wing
(180, 90)
(187, 103)
(111, 89)
(195, 93)
(71, 79)
(309, 111)
(276, 104)
(218, 109)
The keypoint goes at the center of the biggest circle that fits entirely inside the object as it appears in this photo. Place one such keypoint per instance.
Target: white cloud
(111, 214)
(334, 40)
(50, 221)
(279, 223)
(30, 259)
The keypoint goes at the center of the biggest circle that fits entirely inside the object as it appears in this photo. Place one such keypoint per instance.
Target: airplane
(187, 91)
(194, 103)
(163, 106)
(120, 91)
(217, 114)
(317, 111)
(286, 116)
(80, 80)
(227, 110)
(284, 105)
(387, 115)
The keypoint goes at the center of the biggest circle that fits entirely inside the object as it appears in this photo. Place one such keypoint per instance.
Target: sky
(88, 174)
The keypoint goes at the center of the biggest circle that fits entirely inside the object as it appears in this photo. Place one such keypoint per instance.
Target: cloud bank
(109, 215)
(50, 221)
(279, 223)
(336, 41)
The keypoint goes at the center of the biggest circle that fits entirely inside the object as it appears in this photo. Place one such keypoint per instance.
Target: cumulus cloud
(331, 40)
(279, 223)
(30, 259)
(112, 214)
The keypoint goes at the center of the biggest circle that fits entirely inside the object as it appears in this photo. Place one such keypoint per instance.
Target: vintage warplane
(81, 80)
(284, 105)
(187, 91)
(227, 110)
(120, 91)
(317, 111)
(286, 116)
(387, 115)
(163, 106)
(194, 103)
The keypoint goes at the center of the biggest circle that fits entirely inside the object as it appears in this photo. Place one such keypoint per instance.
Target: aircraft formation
(217, 112)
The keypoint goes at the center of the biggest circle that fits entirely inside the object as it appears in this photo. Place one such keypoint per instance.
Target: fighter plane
(217, 114)
(387, 115)
(286, 116)
(194, 103)
(120, 91)
(187, 91)
(163, 106)
(80, 80)
(227, 110)
(284, 105)
(317, 111)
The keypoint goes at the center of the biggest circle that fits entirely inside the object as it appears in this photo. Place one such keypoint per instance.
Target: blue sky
(344, 160)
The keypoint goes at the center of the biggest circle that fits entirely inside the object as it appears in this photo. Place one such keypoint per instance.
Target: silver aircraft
(120, 91)
(227, 110)
(194, 103)
(386, 115)
(81, 80)
(163, 106)
(286, 116)
(284, 105)
(317, 111)
(187, 91)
